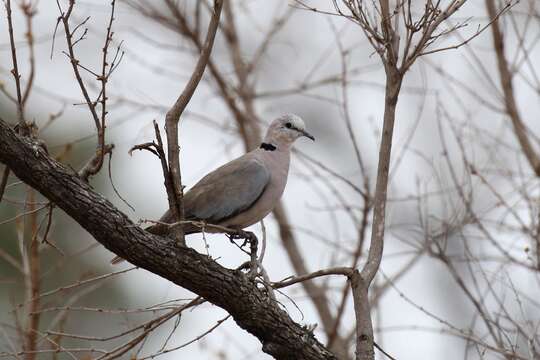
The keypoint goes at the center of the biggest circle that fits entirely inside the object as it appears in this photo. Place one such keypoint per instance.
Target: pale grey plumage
(243, 191)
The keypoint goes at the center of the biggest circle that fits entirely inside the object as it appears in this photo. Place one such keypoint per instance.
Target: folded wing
(227, 191)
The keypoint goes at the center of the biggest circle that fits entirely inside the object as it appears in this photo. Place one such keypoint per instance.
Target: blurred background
(460, 275)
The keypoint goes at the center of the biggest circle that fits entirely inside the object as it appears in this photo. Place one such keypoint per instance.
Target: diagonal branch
(251, 307)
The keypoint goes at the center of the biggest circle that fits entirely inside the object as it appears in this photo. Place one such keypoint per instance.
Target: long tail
(160, 229)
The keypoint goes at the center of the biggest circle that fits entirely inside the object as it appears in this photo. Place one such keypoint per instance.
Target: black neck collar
(268, 147)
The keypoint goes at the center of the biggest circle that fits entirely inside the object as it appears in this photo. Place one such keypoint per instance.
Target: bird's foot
(234, 236)
(253, 247)
(251, 239)
(247, 236)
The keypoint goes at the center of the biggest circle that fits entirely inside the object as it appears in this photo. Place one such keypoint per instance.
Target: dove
(245, 190)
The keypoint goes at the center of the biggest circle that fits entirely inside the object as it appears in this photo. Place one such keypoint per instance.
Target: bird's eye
(288, 125)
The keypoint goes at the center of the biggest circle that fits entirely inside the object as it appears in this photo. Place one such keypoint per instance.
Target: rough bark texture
(364, 326)
(251, 307)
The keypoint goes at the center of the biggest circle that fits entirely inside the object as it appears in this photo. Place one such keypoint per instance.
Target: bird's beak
(308, 135)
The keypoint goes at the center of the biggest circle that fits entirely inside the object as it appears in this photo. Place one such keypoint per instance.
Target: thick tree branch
(362, 311)
(232, 290)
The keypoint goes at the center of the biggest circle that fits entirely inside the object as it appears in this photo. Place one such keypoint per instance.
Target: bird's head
(284, 130)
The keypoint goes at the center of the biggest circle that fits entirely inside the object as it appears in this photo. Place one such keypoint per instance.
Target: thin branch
(296, 279)
(199, 337)
(173, 117)
(15, 70)
(508, 90)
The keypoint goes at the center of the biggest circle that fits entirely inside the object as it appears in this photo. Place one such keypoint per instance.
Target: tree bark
(251, 307)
